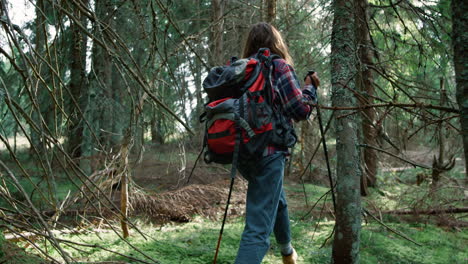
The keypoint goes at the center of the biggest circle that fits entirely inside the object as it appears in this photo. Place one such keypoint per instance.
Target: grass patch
(195, 242)
(378, 245)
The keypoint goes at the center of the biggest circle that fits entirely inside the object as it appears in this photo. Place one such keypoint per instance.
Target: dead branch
(52, 238)
(17, 237)
(400, 105)
(395, 156)
(428, 212)
(389, 228)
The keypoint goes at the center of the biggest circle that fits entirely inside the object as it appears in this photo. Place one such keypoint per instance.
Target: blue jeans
(266, 208)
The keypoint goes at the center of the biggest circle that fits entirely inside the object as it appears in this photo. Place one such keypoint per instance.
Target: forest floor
(403, 240)
(182, 220)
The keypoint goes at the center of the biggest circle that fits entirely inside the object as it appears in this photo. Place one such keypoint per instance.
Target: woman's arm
(294, 100)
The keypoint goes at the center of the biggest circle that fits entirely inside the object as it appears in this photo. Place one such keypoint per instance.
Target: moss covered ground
(195, 242)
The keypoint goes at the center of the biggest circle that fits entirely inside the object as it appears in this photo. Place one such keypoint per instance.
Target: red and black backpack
(239, 115)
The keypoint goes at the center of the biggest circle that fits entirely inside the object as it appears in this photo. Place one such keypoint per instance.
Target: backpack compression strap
(241, 122)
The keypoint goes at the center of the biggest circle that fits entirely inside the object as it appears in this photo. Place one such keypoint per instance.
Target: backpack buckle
(264, 55)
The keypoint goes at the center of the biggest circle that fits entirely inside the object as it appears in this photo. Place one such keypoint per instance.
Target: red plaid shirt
(289, 94)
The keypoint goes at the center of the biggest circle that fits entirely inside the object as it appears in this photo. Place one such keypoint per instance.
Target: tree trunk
(139, 122)
(216, 57)
(438, 163)
(460, 58)
(117, 105)
(271, 11)
(39, 90)
(198, 75)
(157, 136)
(364, 84)
(262, 10)
(101, 78)
(77, 85)
(348, 204)
(124, 178)
(288, 18)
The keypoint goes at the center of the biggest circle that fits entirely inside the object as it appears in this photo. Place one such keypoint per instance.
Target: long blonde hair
(264, 35)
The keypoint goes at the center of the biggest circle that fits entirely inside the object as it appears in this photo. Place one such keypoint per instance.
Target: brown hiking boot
(290, 259)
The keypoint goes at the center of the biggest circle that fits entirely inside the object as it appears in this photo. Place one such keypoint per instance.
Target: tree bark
(364, 84)
(77, 85)
(39, 90)
(348, 203)
(117, 90)
(271, 11)
(460, 58)
(157, 135)
(124, 178)
(438, 163)
(101, 78)
(216, 57)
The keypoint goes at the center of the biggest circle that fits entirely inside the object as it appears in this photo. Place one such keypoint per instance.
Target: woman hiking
(266, 206)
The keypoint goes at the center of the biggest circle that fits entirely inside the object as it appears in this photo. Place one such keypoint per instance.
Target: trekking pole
(324, 144)
(224, 221)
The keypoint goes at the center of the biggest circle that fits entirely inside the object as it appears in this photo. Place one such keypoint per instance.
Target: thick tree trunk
(288, 18)
(116, 92)
(216, 57)
(262, 10)
(140, 129)
(438, 163)
(348, 203)
(77, 85)
(39, 89)
(460, 58)
(271, 11)
(157, 136)
(101, 78)
(364, 84)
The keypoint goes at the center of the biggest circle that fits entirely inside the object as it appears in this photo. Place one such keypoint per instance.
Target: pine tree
(348, 203)
(460, 57)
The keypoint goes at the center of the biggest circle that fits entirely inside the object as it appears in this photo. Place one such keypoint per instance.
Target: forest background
(100, 133)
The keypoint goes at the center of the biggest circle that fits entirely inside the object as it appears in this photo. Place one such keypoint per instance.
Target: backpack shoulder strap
(265, 56)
